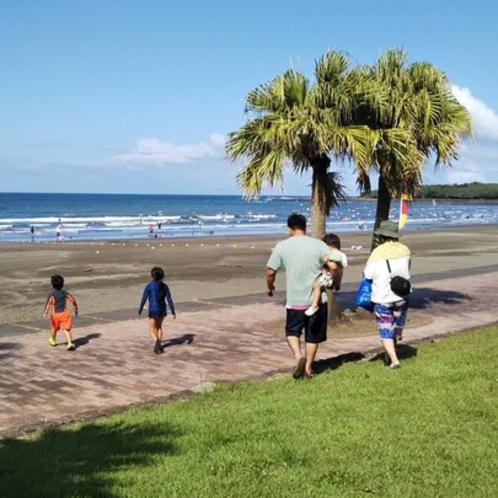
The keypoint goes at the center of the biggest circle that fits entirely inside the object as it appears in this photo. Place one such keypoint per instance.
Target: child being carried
(325, 280)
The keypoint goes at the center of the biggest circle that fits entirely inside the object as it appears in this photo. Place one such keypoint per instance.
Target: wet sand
(109, 276)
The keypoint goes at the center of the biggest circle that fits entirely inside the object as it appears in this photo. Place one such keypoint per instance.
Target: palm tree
(415, 100)
(304, 126)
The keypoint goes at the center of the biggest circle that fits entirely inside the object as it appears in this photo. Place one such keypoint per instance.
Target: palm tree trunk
(318, 202)
(317, 220)
(334, 309)
(318, 223)
(383, 208)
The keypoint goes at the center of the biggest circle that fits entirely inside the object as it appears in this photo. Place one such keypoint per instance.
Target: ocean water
(113, 216)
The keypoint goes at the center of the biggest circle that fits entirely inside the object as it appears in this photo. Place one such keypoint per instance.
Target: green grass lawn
(428, 429)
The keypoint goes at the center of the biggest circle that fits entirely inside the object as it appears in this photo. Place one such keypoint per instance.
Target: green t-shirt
(303, 258)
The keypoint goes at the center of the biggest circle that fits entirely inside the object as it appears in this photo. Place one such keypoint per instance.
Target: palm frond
(389, 117)
(279, 95)
(331, 67)
(267, 168)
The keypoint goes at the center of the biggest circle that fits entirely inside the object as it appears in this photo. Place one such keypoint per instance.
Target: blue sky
(137, 96)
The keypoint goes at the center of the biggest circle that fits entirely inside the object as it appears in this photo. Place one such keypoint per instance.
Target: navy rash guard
(157, 306)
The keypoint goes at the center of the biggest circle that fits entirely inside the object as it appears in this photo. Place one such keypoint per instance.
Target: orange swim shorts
(61, 320)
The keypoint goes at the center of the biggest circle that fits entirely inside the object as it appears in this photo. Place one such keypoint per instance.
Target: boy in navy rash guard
(157, 293)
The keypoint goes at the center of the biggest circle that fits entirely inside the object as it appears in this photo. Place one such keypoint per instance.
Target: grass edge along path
(428, 429)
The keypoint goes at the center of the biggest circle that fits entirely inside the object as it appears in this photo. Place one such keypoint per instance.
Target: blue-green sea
(49, 217)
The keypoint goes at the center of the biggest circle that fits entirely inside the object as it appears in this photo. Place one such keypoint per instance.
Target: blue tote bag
(364, 294)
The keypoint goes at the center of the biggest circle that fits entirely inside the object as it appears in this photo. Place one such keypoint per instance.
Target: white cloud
(157, 151)
(484, 153)
(465, 172)
(484, 118)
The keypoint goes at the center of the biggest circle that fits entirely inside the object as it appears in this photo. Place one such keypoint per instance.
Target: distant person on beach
(60, 318)
(157, 293)
(32, 230)
(389, 259)
(302, 257)
(325, 280)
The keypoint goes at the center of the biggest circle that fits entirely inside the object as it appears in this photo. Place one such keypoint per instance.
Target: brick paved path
(231, 339)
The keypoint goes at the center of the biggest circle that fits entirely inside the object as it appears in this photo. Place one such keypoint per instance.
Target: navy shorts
(156, 314)
(315, 327)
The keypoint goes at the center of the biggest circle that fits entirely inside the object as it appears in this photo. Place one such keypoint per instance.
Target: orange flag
(403, 209)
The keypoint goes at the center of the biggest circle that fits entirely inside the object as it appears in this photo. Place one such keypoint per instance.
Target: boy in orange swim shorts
(60, 318)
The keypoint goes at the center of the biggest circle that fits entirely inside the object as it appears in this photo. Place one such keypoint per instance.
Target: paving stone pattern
(228, 340)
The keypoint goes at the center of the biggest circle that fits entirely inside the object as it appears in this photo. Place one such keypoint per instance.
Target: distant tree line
(474, 190)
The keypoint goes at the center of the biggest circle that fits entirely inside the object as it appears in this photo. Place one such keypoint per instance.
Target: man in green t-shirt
(303, 258)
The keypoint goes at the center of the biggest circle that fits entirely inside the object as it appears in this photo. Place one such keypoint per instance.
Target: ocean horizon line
(280, 197)
(152, 194)
(28, 216)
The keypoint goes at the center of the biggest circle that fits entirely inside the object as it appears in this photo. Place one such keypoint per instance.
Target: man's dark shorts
(315, 327)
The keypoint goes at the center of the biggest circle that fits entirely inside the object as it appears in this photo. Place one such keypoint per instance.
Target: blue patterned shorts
(391, 319)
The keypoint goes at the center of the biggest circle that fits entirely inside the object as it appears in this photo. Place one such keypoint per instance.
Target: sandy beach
(109, 276)
(233, 332)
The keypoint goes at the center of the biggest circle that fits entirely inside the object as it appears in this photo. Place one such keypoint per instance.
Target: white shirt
(378, 272)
